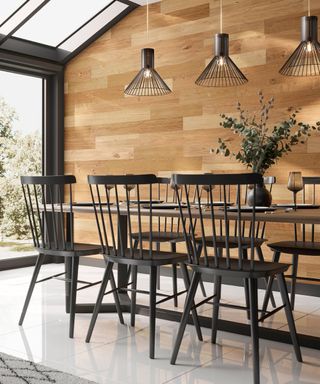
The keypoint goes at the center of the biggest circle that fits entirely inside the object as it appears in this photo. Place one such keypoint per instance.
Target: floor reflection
(118, 353)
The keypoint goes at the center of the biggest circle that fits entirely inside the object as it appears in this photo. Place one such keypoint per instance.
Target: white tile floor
(119, 354)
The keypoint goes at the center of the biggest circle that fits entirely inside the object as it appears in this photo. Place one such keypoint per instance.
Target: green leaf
(259, 146)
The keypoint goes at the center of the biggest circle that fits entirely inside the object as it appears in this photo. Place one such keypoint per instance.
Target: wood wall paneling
(106, 132)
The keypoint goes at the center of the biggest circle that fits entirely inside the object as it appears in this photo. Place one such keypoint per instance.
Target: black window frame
(30, 58)
(52, 124)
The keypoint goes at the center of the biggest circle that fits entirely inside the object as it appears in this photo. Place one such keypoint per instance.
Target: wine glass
(109, 187)
(129, 187)
(295, 184)
(175, 188)
(207, 188)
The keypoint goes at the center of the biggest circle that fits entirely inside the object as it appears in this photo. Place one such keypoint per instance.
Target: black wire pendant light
(305, 60)
(148, 82)
(221, 71)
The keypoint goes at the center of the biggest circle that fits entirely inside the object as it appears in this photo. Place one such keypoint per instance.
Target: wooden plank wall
(106, 132)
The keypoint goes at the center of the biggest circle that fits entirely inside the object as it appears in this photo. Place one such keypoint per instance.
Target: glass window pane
(8, 7)
(58, 19)
(94, 26)
(15, 20)
(21, 107)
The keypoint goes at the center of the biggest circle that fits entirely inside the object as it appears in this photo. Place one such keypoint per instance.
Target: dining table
(280, 214)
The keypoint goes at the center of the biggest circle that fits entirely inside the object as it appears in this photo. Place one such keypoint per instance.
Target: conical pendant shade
(221, 71)
(305, 60)
(147, 82)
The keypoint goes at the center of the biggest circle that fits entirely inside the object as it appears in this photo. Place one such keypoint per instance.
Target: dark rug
(18, 371)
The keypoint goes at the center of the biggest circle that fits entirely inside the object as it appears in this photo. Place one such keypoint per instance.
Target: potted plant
(261, 145)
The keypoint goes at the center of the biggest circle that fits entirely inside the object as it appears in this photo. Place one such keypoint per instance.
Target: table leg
(123, 269)
(122, 274)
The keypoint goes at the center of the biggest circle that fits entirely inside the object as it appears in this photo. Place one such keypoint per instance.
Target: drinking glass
(207, 189)
(295, 184)
(129, 187)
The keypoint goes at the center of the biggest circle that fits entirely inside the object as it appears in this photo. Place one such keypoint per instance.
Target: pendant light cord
(222, 15)
(309, 12)
(147, 20)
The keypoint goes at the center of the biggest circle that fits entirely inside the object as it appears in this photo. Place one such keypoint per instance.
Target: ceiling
(57, 30)
(144, 2)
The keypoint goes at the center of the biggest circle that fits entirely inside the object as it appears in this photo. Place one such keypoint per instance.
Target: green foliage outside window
(20, 154)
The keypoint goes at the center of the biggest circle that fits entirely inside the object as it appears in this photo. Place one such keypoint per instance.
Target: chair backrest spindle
(44, 198)
(212, 217)
(116, 206)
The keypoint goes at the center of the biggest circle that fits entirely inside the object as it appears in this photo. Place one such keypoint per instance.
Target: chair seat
(157, 258)
(233, 241)
(307, 248)
(78, 249)
(160, 237)
(259, 270)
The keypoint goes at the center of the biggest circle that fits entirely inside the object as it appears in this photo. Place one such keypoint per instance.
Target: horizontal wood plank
(106, 132)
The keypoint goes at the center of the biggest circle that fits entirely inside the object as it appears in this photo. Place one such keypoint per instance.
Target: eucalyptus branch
(260, 146)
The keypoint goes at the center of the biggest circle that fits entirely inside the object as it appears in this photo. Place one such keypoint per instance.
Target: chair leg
(184, 319)
(199, 250)
(289, 315)
(194, 313)
(73, 294)
(134, 270)
(261, 258)
(254, 325)
(174, 277)
(267, 295)
(247, 296)
(215, 311)
(246, 286)
(294, 279)
(203, 290)
(116, 297)
(159, 268)
(97, 307)
(152, 313)
(276, 257)
(135, 247)
(68, 269)
(175, 284)
(35, 274)
(158, 278)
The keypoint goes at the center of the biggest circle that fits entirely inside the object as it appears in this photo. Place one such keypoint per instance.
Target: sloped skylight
(19, 15)
(92, 27)
(8, 7)
(57, 30)
(58, 19)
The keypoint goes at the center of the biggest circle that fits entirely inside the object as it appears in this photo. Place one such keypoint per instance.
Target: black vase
(263, 196)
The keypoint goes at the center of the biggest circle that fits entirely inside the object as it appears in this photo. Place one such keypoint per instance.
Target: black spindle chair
(168, 230)
(304, 244)
(245, 229)
(44, 198)
(119, 246)
(229, 263)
